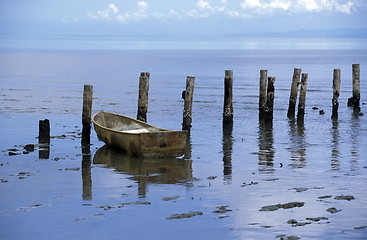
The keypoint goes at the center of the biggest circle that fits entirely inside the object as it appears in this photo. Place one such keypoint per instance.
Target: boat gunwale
(135, 120)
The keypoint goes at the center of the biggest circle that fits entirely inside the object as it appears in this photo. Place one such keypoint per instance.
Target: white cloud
(327, 5)
(344, 8)
(202, 4)
(224, 8)
(300, 5)
(205, 9)
(106, 15)
(309, 5)
(112, 13)
(113, 8)
(273, 4)
(279, 4)
(251, 4)
(142, 6)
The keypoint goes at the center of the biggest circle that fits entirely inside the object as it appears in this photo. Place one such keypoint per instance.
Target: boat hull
(138, 138)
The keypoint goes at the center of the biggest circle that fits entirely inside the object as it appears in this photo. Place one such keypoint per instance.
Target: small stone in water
(184, 215)
(333, 210)
(170, 198)
(284, 206)
(344, 197)
(317, 219)
(325, 196)
(222, 209)
(292, 221)
(300, 189)
(29, 147)
(362, 227)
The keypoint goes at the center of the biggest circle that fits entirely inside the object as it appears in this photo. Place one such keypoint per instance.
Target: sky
(184, 17)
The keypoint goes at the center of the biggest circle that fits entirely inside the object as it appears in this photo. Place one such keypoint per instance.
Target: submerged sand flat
(285, 180)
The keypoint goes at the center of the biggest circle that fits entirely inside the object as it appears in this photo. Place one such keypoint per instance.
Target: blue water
(244, 168)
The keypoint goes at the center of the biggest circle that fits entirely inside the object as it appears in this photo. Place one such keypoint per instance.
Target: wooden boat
(138, 138)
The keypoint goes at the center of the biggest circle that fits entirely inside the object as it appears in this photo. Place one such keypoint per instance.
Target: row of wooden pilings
(266, 98)
(266, 101)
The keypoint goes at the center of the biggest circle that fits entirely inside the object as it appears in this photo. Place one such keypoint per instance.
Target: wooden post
(354, 100)
(294, 91)
(336, 93)
(87, 114)
(86, 121)
(270, 98)
(302, 96)
(44, 131)
(143, 96)
(44, 139)
(187, 112)
(228, 102)
(262, 93)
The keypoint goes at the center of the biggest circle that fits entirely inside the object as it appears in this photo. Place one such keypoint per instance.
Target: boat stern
(163, 143)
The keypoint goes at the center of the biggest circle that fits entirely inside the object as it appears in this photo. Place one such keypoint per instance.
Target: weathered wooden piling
(44, 138)
(336, 93)
(270, 99)
(143, 96)
(262, 93)
(187, 112)
(87, 113)
(86, 157)
(354, 100)
(294, 91)
(228, 101)
(302, 96)
(44, 131)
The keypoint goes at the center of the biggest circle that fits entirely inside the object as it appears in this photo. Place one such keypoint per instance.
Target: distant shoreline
(61, 42)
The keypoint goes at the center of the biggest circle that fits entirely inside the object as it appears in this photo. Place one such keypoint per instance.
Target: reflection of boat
(145, 170)
(138, 138)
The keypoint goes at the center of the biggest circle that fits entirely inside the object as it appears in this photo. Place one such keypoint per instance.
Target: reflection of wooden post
(270, 98)
(262, 93)
(87, 113)
(336, 93)
(187, 113)
(294, 91)
(227, 143)
(188, 150)
(143, 96)
(86, 173)
(228, 102)
(44, 138)
(142, 186)
(302, 96)
(266, 149)
(354, 100)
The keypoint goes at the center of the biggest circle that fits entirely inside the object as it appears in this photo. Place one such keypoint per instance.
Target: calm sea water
(227, 175)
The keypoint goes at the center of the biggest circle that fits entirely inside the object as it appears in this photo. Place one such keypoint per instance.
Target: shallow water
(227, 174)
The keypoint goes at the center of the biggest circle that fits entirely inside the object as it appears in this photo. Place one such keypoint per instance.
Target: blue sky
(181, 17)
